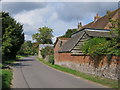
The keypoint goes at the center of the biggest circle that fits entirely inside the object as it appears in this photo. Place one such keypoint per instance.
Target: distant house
(41, 46)
(69, 53)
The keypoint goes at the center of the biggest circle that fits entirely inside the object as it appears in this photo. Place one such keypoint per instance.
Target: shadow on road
(25, 60)
(20, 62)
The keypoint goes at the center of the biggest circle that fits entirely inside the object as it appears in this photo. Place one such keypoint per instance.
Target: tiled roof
(97, 28)
(67, 47)
(102, 23)
(98, 33)
(61, 38)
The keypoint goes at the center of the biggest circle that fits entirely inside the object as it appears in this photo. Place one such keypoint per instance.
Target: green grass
(20, 56)
(6, 73)
(8, 62)
(6, 78)
(107, 82)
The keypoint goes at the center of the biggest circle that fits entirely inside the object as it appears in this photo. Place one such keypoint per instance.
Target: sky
(59, 16)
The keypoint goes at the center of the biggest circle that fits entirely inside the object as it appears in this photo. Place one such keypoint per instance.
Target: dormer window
(96, 17)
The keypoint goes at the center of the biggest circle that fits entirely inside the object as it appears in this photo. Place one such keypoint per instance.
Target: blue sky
(59, 16)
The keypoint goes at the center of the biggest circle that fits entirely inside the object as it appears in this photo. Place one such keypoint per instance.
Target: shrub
(1, 65)
(47, 51)
(51, 59)
(100, 46)
(95, 46)
(6, 78)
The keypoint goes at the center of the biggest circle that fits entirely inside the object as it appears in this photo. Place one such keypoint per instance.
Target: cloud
(75, 10)
(29, 38)
(61, 1)
(57, 15)
(16, 7)
(47, 16)
(36, 18)
(54, 39)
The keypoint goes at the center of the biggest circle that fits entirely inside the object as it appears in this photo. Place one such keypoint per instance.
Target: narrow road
(31, 73)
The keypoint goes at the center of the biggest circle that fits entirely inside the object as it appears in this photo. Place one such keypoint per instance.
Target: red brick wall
(82, 59)
(86, 64)
(98, 66)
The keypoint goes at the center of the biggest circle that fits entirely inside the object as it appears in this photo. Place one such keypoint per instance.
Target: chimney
(96, 17)
(108, 12)
(79, 25)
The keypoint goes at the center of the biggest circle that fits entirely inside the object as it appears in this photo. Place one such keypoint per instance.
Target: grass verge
(21, 56)
(6, 78)
(107, 82)
(7, 74)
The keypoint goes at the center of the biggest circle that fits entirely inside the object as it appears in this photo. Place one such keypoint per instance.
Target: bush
(51, 59)
(1, 65)
(28, 48)
(47, 51)
(6, 78)
(100, 46)
(95, 46)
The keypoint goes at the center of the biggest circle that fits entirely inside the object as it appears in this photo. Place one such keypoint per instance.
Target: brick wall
(99, 66)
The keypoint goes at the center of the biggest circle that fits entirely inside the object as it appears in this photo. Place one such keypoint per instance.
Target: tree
(95, 46)
(44, 36)
(35, 46)
(102, 46)
(115, 30)
(69, 33)
(47, 51)
(12, 36)
(115, 37)
(28, 48)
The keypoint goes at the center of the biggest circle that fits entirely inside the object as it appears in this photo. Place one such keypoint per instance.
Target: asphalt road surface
(31, 73)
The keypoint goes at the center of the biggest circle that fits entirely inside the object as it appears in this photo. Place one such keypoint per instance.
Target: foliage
(100, 46)
(6, 78)
(28, 48)
(47, 51)
(44, 36)
(95, 46)
(12, 36)
(20, 56)
(1, 65)
(115, 37)
(51, 59)
(69, 33)
(35, 46)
